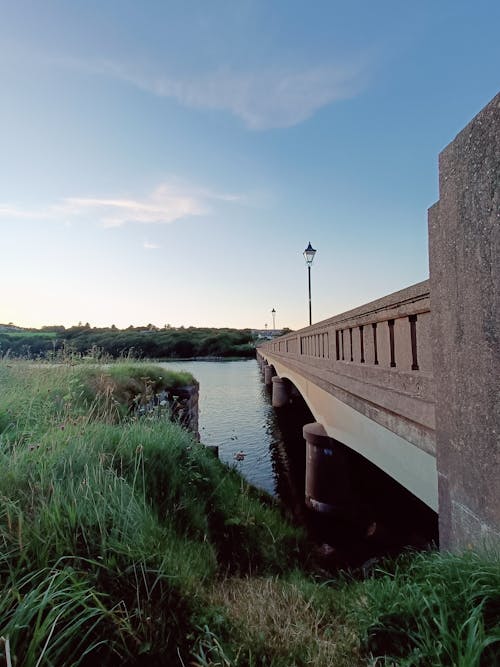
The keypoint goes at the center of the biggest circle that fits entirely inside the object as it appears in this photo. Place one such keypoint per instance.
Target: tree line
(138, 342)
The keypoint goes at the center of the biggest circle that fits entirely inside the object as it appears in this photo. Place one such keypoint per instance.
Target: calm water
(236, 415)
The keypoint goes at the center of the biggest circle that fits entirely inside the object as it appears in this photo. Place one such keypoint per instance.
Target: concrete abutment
(464, 252)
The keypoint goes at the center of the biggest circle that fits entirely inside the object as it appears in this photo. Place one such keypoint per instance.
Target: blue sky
(168, 162)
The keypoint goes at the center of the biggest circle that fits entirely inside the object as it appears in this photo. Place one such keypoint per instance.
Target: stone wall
(179, 404)
(184, 407)
(464, 245)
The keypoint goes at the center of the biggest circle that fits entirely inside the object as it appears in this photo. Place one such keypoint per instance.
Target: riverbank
(125, 542)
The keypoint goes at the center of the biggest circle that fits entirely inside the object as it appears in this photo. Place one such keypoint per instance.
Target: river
(236, 415)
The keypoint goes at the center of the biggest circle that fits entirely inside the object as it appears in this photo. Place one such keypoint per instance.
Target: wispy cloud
(150, 246)
(276, 97)
(18, 213)
(166, 204)
(163, 206)
(263, 100)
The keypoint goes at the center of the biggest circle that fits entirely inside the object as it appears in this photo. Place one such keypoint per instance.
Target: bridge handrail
(390, 332)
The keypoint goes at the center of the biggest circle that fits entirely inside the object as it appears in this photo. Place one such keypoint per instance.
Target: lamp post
(309, 253)
(273, 313)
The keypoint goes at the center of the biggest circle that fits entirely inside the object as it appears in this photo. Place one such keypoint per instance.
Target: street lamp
(309, 253)
(273, 313)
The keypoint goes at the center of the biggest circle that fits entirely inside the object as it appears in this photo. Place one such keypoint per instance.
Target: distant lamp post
(309, 253)
(273, 313)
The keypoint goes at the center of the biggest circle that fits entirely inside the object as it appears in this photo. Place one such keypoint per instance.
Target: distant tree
(54, 328)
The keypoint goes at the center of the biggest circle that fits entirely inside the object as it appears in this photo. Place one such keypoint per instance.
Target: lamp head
(309, 253)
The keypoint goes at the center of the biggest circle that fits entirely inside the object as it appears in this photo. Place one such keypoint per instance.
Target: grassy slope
(123, 541)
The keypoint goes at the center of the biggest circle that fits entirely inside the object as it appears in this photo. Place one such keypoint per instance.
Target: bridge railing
(377, 358)
(392, 332)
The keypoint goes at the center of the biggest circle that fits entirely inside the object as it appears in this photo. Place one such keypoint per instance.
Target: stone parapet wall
(464, 250)
(392, 332)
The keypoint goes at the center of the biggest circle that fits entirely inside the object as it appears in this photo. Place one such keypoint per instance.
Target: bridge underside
(411, 466)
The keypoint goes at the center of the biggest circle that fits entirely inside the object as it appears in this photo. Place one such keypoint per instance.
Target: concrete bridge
(411, 380)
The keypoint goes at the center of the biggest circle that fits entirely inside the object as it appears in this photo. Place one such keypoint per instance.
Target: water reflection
(236, 415)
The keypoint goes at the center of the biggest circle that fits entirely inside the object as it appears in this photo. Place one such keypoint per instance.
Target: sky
(168, 162)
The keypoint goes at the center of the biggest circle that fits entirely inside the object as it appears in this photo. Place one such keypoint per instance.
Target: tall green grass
(432, 609)
(111, 524)
(123, 541)
(34, 396)
(49, 614)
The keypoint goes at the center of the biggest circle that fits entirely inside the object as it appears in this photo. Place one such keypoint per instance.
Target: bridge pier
(269, 373)
(327, 479)
(260, 361)
(281, 392)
